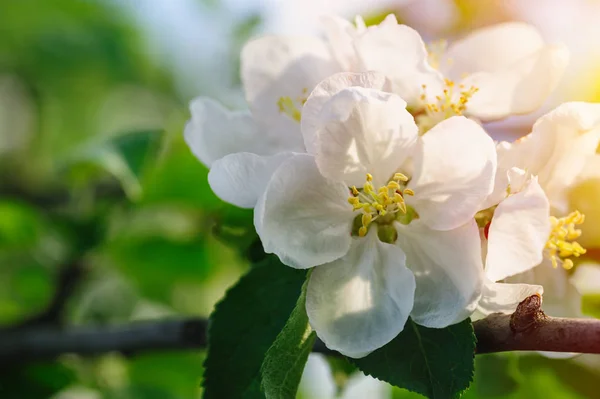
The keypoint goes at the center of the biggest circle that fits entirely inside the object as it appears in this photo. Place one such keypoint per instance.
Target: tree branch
(527, 329)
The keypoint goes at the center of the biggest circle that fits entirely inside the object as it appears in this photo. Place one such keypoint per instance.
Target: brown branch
(47, 343)
(527, 329)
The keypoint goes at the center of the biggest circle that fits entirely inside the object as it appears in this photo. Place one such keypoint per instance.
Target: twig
(527, 329)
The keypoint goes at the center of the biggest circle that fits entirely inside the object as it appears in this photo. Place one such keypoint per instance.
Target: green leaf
(437, 363)
(124, 156)
(285, 360)
(245, 324)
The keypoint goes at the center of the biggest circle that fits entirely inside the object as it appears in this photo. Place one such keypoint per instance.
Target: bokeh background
(98, 189)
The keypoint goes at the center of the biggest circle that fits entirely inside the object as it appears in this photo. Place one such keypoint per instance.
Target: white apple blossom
(556, 152)
(401, 241)
(500, 70)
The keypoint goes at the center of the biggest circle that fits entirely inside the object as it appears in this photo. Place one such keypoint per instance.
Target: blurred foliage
(94, 166)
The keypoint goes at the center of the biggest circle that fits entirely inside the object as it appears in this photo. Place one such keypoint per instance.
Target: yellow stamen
(387, 200)
(561, 244)
(451, 103)
(292, 108)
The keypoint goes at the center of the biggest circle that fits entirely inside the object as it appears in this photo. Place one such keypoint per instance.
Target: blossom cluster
(365, 157)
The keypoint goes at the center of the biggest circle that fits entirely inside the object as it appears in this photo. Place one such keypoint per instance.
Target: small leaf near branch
(245, 324)
(437, 363)
(285, 360)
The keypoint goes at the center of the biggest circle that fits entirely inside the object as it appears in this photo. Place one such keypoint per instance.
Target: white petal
(317, 381)
(492, 48)
(340, 34)
(306, 219)
(518, 233)
(509, 162)
(504, 298)
(568, 136)
(361, 301)
(399, 52)
(454, 173)
(363, 130)
(323, 93)
(518, 89)
(242, 177)
(558, 147)
(448, 270)
(360, 386)
(586, 278)
(214, 132)
(274, 67)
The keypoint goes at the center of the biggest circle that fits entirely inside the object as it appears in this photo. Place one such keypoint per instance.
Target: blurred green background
(95, 176)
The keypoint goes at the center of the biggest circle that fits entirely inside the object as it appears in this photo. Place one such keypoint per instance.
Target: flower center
(452, 103)
(561, 245)
(292, 107)
(380, 205)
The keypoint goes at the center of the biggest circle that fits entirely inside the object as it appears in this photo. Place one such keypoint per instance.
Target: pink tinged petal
(361, 301)
(324, 91)
(448, 270)
(213, 132)
(518, 233)
(517, 89)
(274, 67)
(364, 130)
(306, 218)
(504, 298)
(454, 173)
(241, 178)
(492, 48)
(399, 52)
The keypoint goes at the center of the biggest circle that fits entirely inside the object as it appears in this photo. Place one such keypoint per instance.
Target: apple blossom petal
(360, 302)
(360, 386)
(317, 381)
(519, 89)
(518, 233)
(213, 132)
(448, 270)
(324, 91)
(564, 139)
(274, 67)
(399, 52)
(306, 218)
(492, 48)
(504, 298)
(340, 34)
(242, 177)
(454, 173)
(363, 131)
